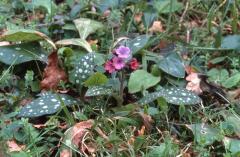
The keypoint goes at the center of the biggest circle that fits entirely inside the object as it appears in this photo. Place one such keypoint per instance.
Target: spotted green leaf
(82, 69)
(98, 90)
(138, 43)
(47, 103)
(25, 35)
(173, 65)
(178, 96)
(20, 53)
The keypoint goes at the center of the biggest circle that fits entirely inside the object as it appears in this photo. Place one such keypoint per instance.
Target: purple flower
(118, 63)
(123, 52)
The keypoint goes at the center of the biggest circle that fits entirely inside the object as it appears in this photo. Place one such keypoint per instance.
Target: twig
(183, 15)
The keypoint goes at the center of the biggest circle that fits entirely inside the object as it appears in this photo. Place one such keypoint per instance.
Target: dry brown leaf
(147, 120)
(138, 17)
(52, 73)
(190, 69)
(79, 130)
(90, 147)
(25, 101)
(106, 13)
(234, 94)
(65, 153)
(156, 27)
(141, 131)
(194, 83)
(39, 126)
(14, 147)
(101, 133)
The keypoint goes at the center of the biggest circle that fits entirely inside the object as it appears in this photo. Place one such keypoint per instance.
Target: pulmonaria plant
(122, 58)
(121, 62)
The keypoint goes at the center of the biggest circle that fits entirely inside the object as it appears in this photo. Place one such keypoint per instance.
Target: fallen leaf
(190, 70)
(156, 27)
(234, 94)
(52, 73)
(106, 13)
(141, 131)
(194, 83)
(89, 147)
(79, 130)
(101, 133)
(65, 153)
(14, 147)
(147, 120)
(39, 126)
(25, 101)
(138, 17)
(93, 42)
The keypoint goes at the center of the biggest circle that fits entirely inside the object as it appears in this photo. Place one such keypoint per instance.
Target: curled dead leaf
(14, 147)
(65, 153)
(194, 83)
(147, 121)
(39, 126)
(106, 13)
(52, 73)
(138, 17)
(79, 130)
(156, 27)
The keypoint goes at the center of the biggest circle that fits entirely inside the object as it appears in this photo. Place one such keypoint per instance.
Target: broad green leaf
(96, 79)
(87, 26)
(231, 42)
(178, 96)
(138, 43)
(47, 103)
(205, 134)
(76, 9)
(19, 154)
(48, 4)
(173, 65)
(232, 145)
(98, 90)
(141, 80)
(20, 53)
(233, 121)
(218, 60)
(77, 42)
(218, 75)
(232, 81)
(103, 5)
(167, 6)
(25, 35)
(82, 68)
(157, 151)
(149, 17)
(166, 149)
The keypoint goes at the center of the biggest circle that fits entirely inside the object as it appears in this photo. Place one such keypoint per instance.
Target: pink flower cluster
(120, 59)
